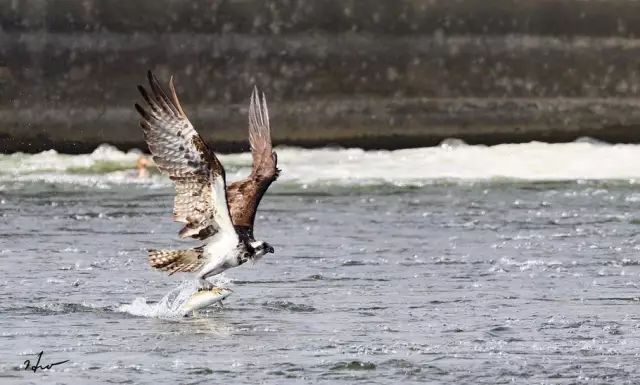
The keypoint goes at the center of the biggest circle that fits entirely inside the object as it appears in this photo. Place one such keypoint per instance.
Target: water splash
(170, 305)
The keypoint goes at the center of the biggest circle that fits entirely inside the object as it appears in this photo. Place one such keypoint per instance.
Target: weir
(371, 74)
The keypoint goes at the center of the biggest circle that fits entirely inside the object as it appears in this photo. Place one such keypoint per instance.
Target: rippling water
(455, 264)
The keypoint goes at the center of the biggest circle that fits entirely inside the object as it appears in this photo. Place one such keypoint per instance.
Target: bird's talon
(205, 285)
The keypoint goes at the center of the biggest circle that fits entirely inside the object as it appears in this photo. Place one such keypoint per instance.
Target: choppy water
(455, 264)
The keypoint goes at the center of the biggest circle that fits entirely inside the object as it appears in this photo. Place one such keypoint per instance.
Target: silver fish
(204, 298)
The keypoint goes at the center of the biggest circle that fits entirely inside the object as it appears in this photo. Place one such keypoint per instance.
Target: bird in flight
(219, 215)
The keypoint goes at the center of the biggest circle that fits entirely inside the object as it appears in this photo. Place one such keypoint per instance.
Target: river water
(452, 264)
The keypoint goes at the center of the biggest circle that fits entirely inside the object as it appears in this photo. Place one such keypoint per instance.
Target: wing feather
(180, 152)
(244, 196)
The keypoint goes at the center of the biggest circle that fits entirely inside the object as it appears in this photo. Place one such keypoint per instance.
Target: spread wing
(180, 152)
(244, 196)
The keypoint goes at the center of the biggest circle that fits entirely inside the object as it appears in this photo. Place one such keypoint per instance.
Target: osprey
(222, 216)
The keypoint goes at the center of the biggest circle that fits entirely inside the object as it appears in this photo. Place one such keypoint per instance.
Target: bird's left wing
(180, 152)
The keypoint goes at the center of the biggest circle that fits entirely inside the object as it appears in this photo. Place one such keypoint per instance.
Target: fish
(203, 298)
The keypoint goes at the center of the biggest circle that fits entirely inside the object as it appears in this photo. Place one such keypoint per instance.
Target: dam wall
(366, 73)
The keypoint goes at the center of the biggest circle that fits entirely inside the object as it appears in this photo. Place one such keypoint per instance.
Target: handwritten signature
(28, 366)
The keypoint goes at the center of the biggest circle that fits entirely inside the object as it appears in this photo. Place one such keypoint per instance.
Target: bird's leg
(205, 285)
(221, 305)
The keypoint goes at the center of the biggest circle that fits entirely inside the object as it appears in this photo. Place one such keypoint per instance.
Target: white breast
(220, 251)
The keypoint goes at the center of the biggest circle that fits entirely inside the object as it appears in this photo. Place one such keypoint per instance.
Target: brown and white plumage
(244, 196)
(174, 261)
(201, 191)
(180, 152)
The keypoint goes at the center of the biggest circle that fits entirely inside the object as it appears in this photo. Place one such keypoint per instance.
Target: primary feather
(180, 152)
(244, 196)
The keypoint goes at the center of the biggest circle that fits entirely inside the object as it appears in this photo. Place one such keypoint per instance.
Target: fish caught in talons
(203, 298)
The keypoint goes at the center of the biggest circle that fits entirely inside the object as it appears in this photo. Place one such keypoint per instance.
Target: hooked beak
(268, 248)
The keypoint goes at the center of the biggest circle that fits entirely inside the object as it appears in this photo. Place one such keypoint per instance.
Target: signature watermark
(34, 368)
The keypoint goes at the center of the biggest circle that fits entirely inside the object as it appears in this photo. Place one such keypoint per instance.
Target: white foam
(51, 160)
(536, 161)
(104, 167)
(530, 161)
(170, 305)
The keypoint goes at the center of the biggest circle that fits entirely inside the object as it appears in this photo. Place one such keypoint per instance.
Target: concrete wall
(368, 73)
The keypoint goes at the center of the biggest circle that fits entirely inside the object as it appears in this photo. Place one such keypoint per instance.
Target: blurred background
(355, 73)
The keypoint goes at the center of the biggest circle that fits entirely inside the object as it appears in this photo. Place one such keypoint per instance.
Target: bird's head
(260, 248)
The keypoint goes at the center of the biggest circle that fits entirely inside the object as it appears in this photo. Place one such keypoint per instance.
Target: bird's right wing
(180, 152)
(244, 195)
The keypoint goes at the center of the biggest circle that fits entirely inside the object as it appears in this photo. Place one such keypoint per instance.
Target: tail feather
(175, 261)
